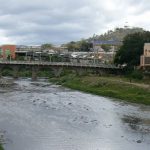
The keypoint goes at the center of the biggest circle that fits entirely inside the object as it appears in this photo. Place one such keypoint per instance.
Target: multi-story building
(7, 52)
(145, 58)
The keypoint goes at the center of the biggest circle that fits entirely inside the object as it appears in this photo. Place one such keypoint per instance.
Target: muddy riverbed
(42, 116)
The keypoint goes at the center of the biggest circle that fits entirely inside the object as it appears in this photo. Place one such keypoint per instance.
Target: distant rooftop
(109, 42)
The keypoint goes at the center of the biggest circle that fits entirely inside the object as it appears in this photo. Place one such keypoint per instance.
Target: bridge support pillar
(57, 71)
(34, 73)
(15, 72)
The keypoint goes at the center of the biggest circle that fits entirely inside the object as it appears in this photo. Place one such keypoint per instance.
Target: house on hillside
(145, 58)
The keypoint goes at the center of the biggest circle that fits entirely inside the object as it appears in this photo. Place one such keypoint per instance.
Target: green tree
(106, 47)
(72, 46)
(46, 46)
(85, 46)
(82, 45)
(132, 48)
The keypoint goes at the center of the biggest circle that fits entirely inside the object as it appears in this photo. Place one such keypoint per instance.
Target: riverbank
(1, 148)
(114, 87)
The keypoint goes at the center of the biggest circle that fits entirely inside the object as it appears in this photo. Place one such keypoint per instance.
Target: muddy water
(42, 116)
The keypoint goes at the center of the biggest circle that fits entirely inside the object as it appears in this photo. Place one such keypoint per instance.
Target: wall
(145, 59)
(8, 50)
(147, 49)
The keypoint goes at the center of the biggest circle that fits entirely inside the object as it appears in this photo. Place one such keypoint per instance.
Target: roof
(108, 42)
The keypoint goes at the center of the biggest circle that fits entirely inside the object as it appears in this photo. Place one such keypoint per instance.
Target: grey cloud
(58, 21)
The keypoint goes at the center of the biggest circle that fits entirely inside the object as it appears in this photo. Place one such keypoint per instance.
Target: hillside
(118, 34)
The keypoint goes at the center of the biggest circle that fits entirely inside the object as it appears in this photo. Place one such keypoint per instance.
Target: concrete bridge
(57, 67)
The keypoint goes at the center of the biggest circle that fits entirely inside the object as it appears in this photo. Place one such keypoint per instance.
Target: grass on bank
(114, 87)
(1, 148)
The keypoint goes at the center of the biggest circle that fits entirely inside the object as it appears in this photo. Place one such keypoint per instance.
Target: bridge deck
(63, 64)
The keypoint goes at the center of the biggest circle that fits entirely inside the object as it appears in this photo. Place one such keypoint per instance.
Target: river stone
(139, 141)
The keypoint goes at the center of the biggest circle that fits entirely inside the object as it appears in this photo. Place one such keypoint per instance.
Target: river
(42, 116)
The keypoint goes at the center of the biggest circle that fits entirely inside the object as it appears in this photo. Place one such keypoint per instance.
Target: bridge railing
(59, 64)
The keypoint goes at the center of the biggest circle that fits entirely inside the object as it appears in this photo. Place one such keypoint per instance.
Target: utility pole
(10, 57)
(94, 47)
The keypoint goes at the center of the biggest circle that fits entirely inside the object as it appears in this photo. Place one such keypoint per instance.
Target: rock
(82, 117)
(85, 121)
(75, 119)
(93, 120)
(53, 108)
(139, 141)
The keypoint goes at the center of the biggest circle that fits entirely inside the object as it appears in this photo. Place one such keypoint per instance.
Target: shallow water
(42, 116)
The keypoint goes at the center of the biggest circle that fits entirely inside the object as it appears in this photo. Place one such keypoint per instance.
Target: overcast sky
(34, 22)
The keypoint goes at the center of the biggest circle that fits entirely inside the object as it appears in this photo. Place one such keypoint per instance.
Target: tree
(106, 47)
(85, 46)
(132, 48)
(82, 45)
(72, 46)
(46, 46)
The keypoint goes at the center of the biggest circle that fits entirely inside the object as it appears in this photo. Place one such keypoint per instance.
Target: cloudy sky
(34, 22)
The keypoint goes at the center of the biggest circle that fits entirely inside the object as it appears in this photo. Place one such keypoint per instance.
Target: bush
(7, 72)
(136, 74)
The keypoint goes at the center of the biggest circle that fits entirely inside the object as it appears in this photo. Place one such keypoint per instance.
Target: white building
(145, 58)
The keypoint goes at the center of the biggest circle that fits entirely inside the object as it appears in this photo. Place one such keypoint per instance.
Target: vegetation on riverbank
(25, 72)
(115, 87)
(1, 148)
(132, 88)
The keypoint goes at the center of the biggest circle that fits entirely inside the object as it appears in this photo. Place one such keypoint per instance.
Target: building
(106, 42)
(23, 48)
(145, 58)
(92, 57)
(7, 52)
(24, 52)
